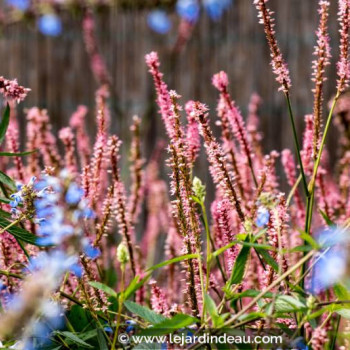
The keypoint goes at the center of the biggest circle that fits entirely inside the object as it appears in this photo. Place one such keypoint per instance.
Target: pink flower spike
(220, 81)
(192, 134)
(278, 64)
(11, 90)
(343, 68)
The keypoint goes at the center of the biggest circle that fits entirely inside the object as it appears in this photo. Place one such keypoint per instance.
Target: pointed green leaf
(326, 218)
(172, 261)
(19, 154)
(101, 340)
(170, 325)
(75, 339)
(134, 285)
(268, 258)
(6, 180)
(144, 312)
(4, 123)
(104, 288)
(239, 266)
(19, 232)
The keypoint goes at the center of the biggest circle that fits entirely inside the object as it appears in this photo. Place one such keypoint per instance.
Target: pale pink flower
(192, 134)
(291, 174)
(307, 154)
(67, 137)
(77, 123)
(11, 90)
(158, 299)
(97, 63)
(278, 64)
(323, 55)
(163, 96)
(343, 68)
(217, 160)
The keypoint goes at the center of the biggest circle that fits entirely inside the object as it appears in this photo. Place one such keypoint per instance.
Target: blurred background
(56, 67)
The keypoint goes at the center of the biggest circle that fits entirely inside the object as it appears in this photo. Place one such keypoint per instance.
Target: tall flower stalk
(281, 71)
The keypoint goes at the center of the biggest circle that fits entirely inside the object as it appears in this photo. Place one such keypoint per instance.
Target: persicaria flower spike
(278, 64)
(11, 90)
(163, 96)
(343, 63)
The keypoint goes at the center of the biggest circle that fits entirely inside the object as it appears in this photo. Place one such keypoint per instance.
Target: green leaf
(75, 339)
(268, 258)
(170, 325)
(172, 261)
(344, 313)
(19, 232)
(342, 293)
(134, 285)
(19, 154)
(212, 310)
(307, 238)
(4, 123)
(251, 293)
(101, 340)
(326, 218)
(239, 266)
(79, 318)
(144, 312)
(288, 303)
(103, 287)
(251, 316)
(6, 180)
(244, 244)
(5, 200)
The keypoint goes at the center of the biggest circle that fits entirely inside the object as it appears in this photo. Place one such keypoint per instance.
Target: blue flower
(130, 326)
(263, 217)
(16, 199)
(77, 270)
(74, 194)
(108, 329)
(21, 5)
(159, 21)
(188, 9)
(329, 269)
(299, 344)
(215, 8)
(56, 261)
(90, 251)
(333, 236)
(50, 25)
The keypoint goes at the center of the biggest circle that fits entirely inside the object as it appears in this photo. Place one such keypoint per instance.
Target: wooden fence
(57, 69)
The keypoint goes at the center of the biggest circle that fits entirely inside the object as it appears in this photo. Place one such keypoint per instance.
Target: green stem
(323, 141)
(296, 142)
(211, 241)
(120, 307)
(311, 187)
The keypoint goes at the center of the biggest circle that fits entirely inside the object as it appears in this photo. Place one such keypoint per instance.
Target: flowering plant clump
(91, 258)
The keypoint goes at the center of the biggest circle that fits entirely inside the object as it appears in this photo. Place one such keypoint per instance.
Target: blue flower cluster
(331, 265)
(159, 21)
(21, 5)
(52, 214)
(49, 24)
(263, 217)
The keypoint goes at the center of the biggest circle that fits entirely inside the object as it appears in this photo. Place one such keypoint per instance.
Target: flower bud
(122, 254)
(198, 189)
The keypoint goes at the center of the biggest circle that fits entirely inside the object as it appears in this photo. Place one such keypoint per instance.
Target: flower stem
(120, 307)
(296, 142)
